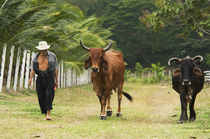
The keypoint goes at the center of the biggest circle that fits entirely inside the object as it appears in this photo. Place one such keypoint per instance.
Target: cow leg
(183, 116)
(119, 95)
(100, 100)
(109, 109)
(104, 100)
(192, 111)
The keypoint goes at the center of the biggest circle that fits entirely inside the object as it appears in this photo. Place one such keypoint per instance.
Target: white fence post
(17, 69)
(32, 57)
(2, 66)
(142, 75)
(27, 70)
(75, 77)
(68, 77)
(64, 79)
(149, 76)
(10, 67)
(62, 74)
(162, 77)
(169, 74)
(72, 77)
(59, 73)
(22, 69)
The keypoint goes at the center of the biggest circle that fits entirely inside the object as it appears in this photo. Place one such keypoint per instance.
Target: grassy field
(153, 114)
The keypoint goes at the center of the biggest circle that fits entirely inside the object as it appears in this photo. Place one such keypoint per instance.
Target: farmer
(44, 64)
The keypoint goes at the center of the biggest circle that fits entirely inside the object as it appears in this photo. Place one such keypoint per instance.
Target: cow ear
(87, 63)
(105, 64)
(177, 72)
(197, 71)
(196, 62)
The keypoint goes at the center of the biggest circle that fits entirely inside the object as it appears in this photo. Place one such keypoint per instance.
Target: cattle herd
(108, 75)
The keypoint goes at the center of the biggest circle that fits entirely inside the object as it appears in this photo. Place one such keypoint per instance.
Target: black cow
(188, 81)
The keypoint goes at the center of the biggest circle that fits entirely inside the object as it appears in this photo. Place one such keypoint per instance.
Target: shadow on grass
(8, 103)
(3, 97)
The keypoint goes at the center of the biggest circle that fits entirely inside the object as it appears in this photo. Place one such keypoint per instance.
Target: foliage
(208, 59)
(138, 68)
(137, 41)
(158, 75)
(25, 23)
(192, 20)
(154, 74)
(123, 18)
(127, 74)
(93, 7)
(63, 25)
(157, 68)
(192, 14)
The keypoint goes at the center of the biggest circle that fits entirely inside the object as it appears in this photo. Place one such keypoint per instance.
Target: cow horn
(108, 47)
(198, 56)
(173, 58)
(83, 46)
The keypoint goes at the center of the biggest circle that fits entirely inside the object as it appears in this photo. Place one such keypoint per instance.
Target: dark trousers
(45, 91)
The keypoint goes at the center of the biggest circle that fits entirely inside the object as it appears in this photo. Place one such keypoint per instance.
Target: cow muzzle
(95, 69)
(186, 82)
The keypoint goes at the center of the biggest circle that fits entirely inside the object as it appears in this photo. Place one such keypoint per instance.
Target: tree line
(150, 31)
(144, 31)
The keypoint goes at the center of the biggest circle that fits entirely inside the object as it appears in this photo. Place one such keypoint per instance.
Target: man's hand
(31, 77)
(30, 82)
(56, 84)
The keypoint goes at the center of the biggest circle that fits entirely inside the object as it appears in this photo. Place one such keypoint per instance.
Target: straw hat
(43, 45)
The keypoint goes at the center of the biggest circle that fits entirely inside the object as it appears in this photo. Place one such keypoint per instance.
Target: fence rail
(15, 70)
(207, 76)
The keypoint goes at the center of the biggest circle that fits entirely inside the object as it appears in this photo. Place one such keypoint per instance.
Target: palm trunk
(2, 66)
(10, 67)
(22, 69)
(17, 69)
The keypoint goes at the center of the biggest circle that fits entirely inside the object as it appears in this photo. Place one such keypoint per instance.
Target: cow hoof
(181, 121)
(119, 115)
(192, 119)
(109, 113)
(103, 117)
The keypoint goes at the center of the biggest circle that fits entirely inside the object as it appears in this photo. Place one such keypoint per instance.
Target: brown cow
(107, 74)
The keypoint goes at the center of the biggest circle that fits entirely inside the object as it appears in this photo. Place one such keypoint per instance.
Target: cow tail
(128, 96)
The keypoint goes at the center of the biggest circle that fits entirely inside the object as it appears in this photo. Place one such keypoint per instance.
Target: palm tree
(25, 23)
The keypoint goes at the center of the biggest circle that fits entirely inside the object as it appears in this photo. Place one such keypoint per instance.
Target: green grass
(76, 115)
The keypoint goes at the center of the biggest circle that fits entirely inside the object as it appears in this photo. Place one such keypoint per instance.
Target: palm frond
(78, 66)
(21, 37)
(11, 3)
